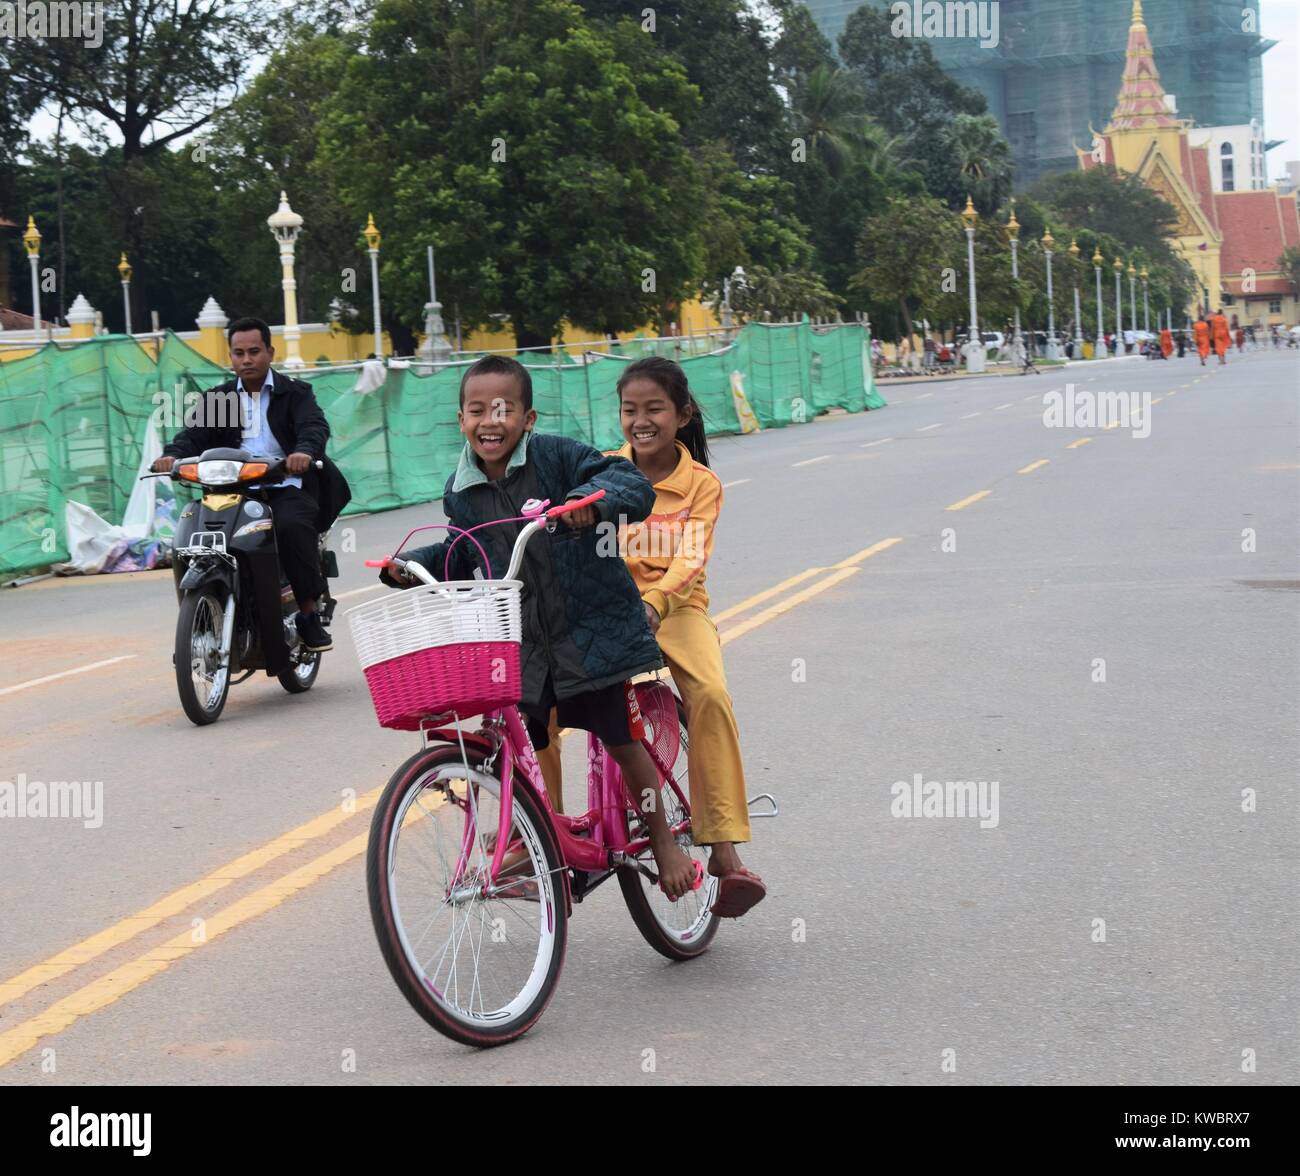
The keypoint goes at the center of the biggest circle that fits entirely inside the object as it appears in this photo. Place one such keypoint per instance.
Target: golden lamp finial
(124, 268)
(370, 232)
(968, 214)
(32, 238)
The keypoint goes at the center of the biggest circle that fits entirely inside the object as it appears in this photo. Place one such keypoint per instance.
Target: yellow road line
(787, 604)
(965, 502)
(1032, 466)
(1080, 441)
(868, 552)
(177, 902)
(766, 594)
(121, 980)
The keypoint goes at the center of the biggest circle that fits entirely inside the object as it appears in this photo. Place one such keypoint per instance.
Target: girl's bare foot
(676, 869)
(724, 859)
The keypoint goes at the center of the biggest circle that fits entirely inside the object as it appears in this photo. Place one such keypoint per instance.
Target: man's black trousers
(294, 514)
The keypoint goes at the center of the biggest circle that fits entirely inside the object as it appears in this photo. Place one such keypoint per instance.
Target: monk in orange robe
(1202, 332)
(1222, 336)
(1166, 342)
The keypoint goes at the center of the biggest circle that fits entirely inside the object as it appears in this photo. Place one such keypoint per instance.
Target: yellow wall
(337, 346)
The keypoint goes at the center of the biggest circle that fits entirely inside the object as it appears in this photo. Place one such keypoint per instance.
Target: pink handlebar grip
(376, 563)
(566, 507)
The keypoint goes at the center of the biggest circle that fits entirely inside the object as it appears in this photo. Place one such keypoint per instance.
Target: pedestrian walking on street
(1222, 336)
(1202, 330)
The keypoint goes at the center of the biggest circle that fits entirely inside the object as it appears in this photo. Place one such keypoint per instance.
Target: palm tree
(828, 115)
(983, 158)
(882, 155)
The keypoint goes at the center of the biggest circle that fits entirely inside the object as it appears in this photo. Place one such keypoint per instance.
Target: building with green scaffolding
(1056, 66)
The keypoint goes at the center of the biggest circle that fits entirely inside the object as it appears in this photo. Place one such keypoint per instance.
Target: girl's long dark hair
(672, 379)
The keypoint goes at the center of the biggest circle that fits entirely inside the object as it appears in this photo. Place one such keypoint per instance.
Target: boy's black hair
(671, 377)
(249, 324)
(500, 365)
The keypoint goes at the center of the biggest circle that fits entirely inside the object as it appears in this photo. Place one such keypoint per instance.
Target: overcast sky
(1279, 20)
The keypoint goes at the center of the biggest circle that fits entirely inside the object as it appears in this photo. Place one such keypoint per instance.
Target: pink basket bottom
(470, 678)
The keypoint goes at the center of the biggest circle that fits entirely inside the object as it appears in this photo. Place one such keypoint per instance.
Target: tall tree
(904, 88)
(157, 72)
(904, 252)
(541, 154)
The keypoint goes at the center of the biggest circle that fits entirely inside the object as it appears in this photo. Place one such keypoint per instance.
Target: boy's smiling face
(493, 418)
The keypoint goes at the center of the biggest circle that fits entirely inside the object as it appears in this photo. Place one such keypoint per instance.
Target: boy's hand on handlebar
(297, 463)
(399, 575)
(651, 616)
(584, 516)
(163, 465)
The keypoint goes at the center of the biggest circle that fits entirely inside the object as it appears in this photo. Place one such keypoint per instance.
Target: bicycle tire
(418, 993)
(636, 896)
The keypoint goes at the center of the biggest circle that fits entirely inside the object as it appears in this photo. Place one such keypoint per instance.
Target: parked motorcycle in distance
(236, 607)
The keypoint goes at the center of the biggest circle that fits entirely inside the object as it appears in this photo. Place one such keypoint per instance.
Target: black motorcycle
(236, 607)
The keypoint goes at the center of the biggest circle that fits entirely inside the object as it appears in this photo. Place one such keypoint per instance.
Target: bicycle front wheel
(479, 964)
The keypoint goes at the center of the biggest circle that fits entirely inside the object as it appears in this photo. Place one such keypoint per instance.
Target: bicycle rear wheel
(480, 969)
(683, 929)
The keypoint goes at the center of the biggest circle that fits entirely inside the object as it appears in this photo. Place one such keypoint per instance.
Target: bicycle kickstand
(767, 796)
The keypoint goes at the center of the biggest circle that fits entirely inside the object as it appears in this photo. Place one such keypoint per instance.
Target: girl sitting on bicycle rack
(584, 632)
(666, 555)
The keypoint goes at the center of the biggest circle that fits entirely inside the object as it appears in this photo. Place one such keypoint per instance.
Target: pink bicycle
(471, 873)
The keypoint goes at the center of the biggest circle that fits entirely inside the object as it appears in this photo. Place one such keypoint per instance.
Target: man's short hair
(500, 365)
(249, 324)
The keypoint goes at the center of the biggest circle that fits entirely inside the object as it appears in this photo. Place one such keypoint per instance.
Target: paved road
(1124, 921)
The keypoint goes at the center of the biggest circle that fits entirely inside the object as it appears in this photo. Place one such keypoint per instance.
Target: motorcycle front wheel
(201, 680)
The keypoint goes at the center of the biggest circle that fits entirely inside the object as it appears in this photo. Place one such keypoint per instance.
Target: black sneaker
(313, 633)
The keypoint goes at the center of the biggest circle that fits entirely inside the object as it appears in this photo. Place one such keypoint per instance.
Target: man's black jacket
(293, 416)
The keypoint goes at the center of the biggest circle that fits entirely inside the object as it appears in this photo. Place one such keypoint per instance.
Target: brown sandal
(738, 892)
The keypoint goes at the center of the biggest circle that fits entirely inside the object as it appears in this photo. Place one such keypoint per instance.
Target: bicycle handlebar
(536, 520)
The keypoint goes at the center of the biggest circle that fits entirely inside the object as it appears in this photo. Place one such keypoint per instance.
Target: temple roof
(1141, 101)
(1257, 226)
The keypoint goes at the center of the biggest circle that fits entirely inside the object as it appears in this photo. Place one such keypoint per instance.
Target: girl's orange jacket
(668, 552)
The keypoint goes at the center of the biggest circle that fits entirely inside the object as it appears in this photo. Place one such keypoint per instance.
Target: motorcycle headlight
(219, 473)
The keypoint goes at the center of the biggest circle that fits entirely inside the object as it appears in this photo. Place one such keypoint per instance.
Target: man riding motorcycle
(273, 416)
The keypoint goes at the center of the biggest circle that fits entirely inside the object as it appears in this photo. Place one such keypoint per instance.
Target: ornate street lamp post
(1146, 304)
(1078, 315)
(371, 234)
(1013, 232)
(974, 344)
(1132, 296)
(124, 269)
(285, 225)
(1053, 352)
(1097, 262)
(32, 243)
(1119, 306)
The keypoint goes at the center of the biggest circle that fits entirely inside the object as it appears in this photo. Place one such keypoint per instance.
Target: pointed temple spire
(1141, 101)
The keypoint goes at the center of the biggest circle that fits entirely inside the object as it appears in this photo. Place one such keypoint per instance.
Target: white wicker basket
(428, 617)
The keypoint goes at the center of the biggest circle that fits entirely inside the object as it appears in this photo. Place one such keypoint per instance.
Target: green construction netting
(74, 419)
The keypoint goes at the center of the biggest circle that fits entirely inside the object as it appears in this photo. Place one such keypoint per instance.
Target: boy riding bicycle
(584, 630)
